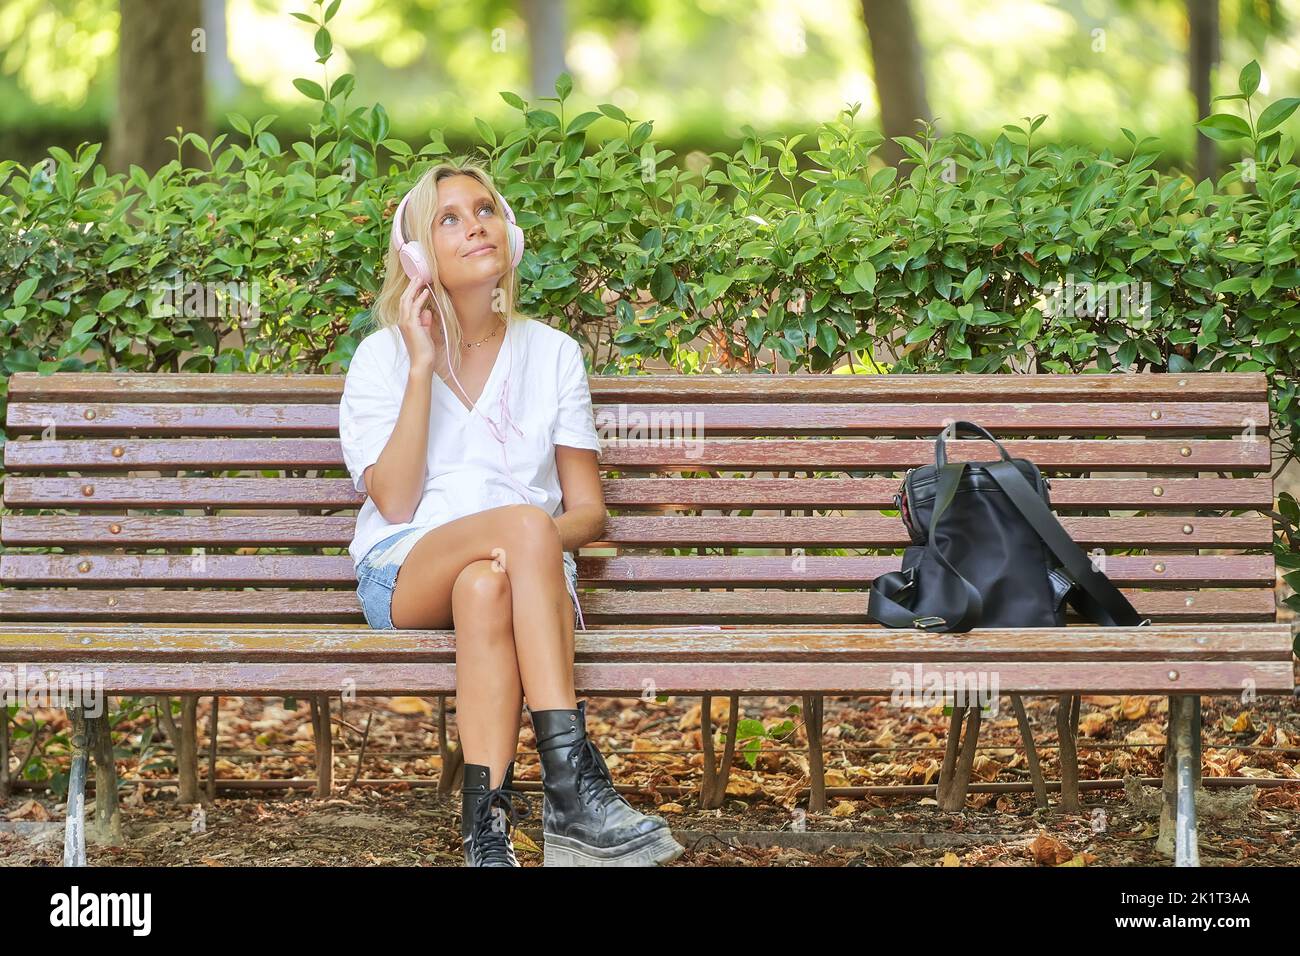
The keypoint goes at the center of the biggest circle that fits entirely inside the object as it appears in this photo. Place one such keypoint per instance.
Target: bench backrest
(755, 499)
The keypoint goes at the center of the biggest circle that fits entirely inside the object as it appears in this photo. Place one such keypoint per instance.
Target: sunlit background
(698, 68)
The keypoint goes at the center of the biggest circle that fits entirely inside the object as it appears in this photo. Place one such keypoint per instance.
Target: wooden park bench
(168, 533)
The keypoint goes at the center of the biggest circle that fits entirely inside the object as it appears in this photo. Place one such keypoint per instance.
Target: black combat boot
(486, 817)
(585, 821)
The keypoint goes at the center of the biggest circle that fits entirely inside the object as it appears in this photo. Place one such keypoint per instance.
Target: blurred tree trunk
(1202, 58)
(897, 62)
(547, 24)
(219, 72)
(159, 83)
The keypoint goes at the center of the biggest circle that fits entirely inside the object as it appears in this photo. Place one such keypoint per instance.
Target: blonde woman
(469, 427)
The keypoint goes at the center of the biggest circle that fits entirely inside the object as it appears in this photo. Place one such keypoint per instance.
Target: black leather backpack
(988, 552)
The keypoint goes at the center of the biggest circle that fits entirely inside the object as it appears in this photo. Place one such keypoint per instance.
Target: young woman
(469, 427)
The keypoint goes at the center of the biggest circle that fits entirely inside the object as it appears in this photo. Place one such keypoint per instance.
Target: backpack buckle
(927, 621)
(910, 574)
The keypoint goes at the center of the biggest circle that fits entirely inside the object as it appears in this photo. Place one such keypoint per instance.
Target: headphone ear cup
(516, 243)
(414, 264)
(514, 235)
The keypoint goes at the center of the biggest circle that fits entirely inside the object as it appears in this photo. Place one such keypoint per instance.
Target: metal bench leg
(321, 724)
(959, 758)
(1067, 736)
(74, 835)
(1031, 752)
(713, 785)
(4, 752)
(452, 774)
(108, 814)
(813, 709)
(1182, 778)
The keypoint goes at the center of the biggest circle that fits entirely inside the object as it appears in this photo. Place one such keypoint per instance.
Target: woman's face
(469, 234)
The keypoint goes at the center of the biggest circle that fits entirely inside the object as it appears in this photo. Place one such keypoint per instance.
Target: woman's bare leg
(521, 544)
(489, 697)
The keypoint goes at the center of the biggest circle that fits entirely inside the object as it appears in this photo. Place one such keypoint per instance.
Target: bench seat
(185, 534)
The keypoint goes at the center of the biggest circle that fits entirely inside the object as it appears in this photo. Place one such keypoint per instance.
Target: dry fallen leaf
(29, 810)
(837, 778)
(669, 808)
(410, 705)
(523, 842)
(1079, 859)
(1148, 733)
(845, 808)
(741, 786)
(950, 859)
(1049, 851)
(720, 708)
(1095, 724)
(1135, 707)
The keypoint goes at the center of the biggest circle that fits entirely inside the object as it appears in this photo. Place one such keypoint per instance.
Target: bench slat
(649, 607)
(282, 530)
(271, 570)
(261, 643)
(694, 420)
(102, 491)
(799, 387)
(778, 454)
(609, 679)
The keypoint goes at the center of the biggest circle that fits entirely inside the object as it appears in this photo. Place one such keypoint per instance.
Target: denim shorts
(376, 579)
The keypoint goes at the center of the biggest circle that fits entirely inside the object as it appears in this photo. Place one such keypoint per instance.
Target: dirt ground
(763, 820)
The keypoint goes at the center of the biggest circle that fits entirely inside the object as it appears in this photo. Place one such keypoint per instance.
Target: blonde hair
(418, 227)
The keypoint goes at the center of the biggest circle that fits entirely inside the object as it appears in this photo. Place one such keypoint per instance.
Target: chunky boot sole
(650, 850)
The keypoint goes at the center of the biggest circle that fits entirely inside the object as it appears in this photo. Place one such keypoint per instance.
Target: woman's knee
(533, 530)
(482, 589)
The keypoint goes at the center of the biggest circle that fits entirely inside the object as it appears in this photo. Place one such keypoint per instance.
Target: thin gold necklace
(474, 345)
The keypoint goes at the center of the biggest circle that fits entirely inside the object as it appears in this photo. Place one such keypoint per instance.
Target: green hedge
(960, 263)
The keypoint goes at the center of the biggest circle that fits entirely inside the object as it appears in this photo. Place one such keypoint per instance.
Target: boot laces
(490, 831)
(594, 780)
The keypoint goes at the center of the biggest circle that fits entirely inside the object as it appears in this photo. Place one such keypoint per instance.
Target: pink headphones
(416, 264)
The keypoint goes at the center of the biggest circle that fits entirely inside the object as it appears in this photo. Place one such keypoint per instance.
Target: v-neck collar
(488, 383)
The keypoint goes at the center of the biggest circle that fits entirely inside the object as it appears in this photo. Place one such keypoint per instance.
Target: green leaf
(1275, 114)
(112, 299)
(378, 123)
(582, 121)
(563, 86)
(865, 275)
(513, 99)
(1002, 151)
(1248, 80)
(827, 338)
(310, 89)
(1224, 126)
(25, 290)
(324, 45)
(343, 85)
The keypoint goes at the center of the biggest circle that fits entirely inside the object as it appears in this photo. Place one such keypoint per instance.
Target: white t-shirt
(549, 402)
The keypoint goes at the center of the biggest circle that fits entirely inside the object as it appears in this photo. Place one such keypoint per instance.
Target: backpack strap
(1096, 598)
